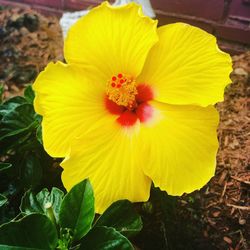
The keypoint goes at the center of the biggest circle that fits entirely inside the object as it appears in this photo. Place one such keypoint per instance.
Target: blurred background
(229, 20)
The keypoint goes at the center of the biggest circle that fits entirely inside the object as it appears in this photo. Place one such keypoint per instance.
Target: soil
(226, 199)
(217, 216)
(28, 42)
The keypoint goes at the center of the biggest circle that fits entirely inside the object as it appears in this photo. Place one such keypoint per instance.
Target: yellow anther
(122, 90)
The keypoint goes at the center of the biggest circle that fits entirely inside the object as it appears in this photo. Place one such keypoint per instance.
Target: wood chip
(227, 240)
(240, 179)
(238, 207)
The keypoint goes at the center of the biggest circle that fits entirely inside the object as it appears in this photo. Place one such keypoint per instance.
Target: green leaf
(39, 134)
(30, 204)
(122, 216)
(54, 198)
(4, 247)
(105, 238)
(11, 104)
(31, 170)
(4, 166)
(39, 203)
(33, 231)
(20, 119)
(29, 94)
(3, 200)
(14, 142)
(17, 122)
(77, 210)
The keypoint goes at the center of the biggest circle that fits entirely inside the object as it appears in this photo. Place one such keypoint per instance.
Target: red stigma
(136, 108)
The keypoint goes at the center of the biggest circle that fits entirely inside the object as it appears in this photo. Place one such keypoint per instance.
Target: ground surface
(217, 217)
(226, 200)
(28, 41)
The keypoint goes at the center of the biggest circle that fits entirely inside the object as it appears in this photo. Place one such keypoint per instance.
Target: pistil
(122, 90)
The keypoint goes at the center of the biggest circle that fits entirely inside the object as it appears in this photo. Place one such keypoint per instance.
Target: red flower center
(128, 100)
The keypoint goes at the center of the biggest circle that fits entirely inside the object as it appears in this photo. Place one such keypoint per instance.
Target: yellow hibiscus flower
(133, 105)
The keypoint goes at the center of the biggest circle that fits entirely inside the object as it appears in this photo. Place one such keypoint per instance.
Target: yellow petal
(186, 66)
(69, 104)
(113, 39)
(109, 157)
(183, 146)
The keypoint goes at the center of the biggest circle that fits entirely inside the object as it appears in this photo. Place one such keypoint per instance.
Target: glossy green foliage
(122, 216)
(77, 211)
(42, 202)
(33, 231)
(105, 238)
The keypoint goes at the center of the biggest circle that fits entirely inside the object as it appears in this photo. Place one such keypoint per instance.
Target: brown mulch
(226, 200)
(28, 42)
